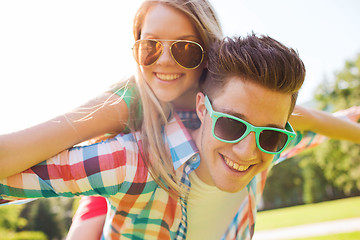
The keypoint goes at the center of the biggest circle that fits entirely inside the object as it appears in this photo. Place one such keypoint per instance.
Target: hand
(353, 113)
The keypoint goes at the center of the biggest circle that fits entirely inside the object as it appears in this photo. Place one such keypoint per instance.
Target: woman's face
(169, 81)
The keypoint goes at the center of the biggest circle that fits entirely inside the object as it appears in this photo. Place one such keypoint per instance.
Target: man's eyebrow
(243, 117)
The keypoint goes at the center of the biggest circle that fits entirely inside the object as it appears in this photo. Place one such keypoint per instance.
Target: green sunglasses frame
(289, 131)
(170, 46)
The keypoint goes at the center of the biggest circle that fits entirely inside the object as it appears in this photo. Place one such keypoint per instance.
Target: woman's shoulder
(126, 87)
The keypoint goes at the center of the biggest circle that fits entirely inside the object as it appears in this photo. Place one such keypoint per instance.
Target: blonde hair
(157, 113)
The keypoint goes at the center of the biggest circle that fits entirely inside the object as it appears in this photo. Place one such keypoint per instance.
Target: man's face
(231, 166)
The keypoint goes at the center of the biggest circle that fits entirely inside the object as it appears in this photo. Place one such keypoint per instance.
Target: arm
(317, 126)
(26, 148)
(329, 125)
(89, 219)
(89, 229)
(97, 169)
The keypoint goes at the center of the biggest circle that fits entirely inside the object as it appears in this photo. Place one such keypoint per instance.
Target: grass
(340, 236)
(310, 213)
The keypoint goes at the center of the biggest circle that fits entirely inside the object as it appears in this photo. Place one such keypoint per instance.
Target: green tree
(42, 218)
(9, 217)
(345, 91)
(59, 211)
(11, 222)
(340, 160)
(284, 186)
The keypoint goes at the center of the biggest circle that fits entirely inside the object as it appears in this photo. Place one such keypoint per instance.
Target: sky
(56, 55)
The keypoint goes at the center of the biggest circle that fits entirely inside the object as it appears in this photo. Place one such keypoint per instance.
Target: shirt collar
(181, 145)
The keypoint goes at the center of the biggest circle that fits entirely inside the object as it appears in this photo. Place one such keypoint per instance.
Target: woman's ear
(200, 106)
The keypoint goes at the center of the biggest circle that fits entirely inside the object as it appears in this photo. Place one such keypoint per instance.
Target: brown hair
(260, 59)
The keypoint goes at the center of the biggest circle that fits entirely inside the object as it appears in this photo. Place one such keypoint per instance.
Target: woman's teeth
(167, 77)
(236, 166)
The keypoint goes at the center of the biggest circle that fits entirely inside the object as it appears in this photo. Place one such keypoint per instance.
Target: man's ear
(200, 106)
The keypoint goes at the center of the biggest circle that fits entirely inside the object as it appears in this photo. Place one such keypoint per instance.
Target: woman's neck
(186, 101)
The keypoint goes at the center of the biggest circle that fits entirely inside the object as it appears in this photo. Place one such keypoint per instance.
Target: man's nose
(246, 149)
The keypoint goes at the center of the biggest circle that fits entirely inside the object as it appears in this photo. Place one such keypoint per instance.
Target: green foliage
(11, 222)
(340, 160)
(25, 235)
(345, 91)
(44, 219)
(284, 186)
(51, 216)
(314, 183)
(9, 217)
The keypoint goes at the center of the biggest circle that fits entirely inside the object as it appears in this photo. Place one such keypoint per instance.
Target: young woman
(169, 73)
(171, 77)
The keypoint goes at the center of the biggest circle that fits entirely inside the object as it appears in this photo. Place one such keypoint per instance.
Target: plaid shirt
(242, 226)
(139, 208)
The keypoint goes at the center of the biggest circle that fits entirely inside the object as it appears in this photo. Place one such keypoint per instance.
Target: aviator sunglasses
(187, 54)
(230, 129)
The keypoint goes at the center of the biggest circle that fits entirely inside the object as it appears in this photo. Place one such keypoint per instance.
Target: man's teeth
(236, 166)
(167, 77)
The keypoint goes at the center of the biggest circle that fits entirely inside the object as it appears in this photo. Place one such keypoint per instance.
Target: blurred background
(56, 55)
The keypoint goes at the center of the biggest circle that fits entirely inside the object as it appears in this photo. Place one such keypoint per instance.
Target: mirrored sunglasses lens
(146, 52)
(272, 141)
(187, 54)
(229, 129)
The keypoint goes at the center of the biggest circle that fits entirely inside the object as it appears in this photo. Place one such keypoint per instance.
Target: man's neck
(194, 133)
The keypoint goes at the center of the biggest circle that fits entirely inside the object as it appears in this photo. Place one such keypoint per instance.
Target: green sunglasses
(230, 129)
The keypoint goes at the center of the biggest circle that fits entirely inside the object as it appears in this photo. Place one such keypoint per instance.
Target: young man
(243, 107)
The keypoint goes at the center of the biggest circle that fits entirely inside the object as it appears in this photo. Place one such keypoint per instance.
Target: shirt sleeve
(302, 142)
(98, 169)
(90, 207)
(128, 92)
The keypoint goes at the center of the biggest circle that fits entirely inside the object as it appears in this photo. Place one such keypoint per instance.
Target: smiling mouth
(235, 166)
(168, 77)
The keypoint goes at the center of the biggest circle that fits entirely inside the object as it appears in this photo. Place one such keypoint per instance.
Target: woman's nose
(166, 57)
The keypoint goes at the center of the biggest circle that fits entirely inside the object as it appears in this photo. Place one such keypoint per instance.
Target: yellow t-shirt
(210, 210)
